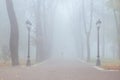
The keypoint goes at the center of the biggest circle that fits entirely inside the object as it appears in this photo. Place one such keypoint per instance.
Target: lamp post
(98, 62)
(28, 23)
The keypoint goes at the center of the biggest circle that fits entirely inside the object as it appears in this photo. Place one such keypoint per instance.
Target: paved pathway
(55, 69)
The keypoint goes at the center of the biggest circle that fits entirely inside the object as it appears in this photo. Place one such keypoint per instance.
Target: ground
(58, 69)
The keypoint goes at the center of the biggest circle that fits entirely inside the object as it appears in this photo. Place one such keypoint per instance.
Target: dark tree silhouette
(14, 34)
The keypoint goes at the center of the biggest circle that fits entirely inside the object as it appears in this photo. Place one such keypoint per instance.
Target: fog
(60, 28)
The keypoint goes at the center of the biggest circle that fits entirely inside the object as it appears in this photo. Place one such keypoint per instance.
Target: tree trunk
(39, 45)
(88, 48)
(82, 49)
(45, 41)
(14, 33)
(39, 33)
(118, 32)
(88, 33)
(118, 40)
(103, 45)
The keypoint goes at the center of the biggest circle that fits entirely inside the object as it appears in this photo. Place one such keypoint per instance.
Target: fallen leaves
(111, 67)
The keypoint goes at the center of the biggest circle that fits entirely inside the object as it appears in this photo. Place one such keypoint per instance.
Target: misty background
(62, 28)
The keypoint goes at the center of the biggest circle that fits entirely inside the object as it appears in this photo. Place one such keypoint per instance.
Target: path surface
(55, 69)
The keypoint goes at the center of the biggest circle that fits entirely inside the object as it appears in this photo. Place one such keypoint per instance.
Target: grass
(8, 63)
(108, 64)
(111, 64)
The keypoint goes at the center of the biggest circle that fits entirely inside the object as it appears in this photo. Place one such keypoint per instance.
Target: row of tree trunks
(41, 46)
(39, 35)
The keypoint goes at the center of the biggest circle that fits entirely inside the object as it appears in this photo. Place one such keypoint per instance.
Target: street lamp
(28, 23)
(98, 62)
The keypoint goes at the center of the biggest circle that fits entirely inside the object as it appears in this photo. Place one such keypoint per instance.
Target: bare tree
(118, 32)
(39, 32)
(87, 32)
(103, 45)
(114, 4)
(43, 45)
(14, 33)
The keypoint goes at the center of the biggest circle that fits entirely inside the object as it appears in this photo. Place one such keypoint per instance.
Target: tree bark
(14, 33)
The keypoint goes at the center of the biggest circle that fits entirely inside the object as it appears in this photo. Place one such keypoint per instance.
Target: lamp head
(28, 22)
(98, 23)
